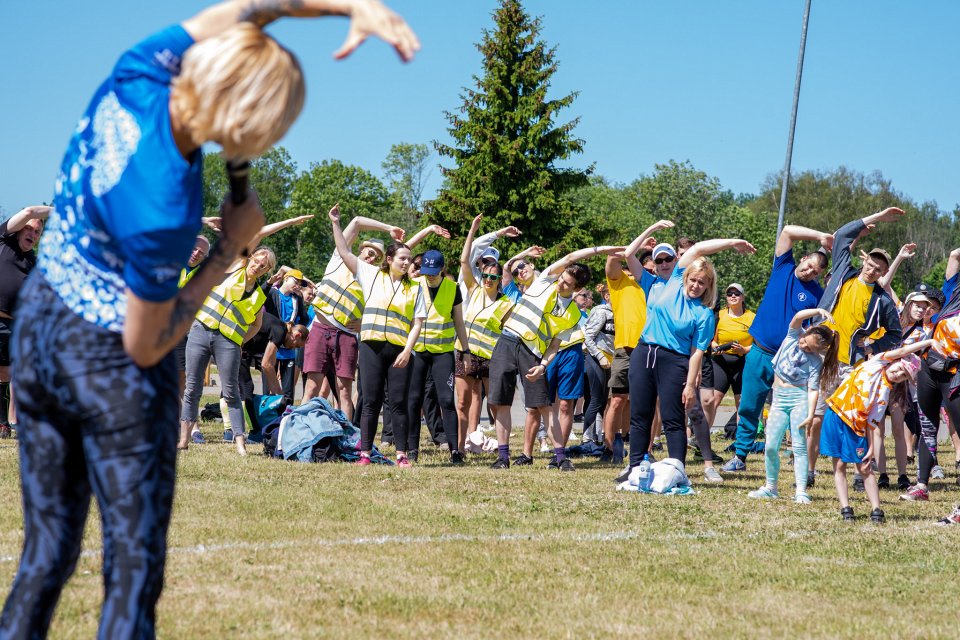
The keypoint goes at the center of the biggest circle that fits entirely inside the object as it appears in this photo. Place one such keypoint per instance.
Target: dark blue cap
(432, 263)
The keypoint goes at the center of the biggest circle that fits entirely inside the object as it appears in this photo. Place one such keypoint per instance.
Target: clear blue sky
(708, 81)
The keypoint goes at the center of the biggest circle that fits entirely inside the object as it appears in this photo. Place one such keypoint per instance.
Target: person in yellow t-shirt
(731, 343)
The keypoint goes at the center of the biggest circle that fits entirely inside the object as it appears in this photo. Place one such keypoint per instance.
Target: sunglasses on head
(662, 260)
(489, 276)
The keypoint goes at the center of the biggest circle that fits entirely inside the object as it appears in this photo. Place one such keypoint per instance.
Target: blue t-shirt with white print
(676, 322)
(127, 205)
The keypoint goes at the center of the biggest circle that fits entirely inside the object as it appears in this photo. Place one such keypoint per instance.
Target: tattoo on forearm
(263, 12)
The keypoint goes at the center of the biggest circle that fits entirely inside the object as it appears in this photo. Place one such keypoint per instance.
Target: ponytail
(831, 361)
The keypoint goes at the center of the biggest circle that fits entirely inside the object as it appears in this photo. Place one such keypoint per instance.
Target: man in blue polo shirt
(792, 287)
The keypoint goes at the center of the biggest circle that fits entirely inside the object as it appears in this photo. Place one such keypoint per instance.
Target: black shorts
(512, 360)
(706, 372)
(6, 330)
(728, 373)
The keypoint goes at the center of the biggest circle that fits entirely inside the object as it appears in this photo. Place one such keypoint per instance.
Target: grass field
(267, 549)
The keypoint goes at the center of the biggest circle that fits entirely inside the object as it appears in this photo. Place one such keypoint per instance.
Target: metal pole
(793, 120)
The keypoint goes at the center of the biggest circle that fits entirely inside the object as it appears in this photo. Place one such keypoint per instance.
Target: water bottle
(646, 473)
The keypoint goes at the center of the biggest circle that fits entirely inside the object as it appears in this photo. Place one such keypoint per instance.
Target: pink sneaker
(364, 461)
(916, 493)
(404, 463)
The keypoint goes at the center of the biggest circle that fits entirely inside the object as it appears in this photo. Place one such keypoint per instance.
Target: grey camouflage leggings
(91, 421)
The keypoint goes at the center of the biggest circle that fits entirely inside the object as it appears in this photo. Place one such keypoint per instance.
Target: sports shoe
(456, 458)
(802, 498)
(764, 493)
(916, 493)
(553, 464)
(809, 480)
(413, 455)
(523, 460)
(364, 461)
(876, 516)
(953, 518)
(197, 438)
(228, 435)
(937, 473)
(903, 482)
(567, 465)
(858, 485)
(544, 448)
(712, 475)
(578, 417)
(734, 464)
(404, 463)
(607, 457)
(847, 514)
(624, 475)
(501, 463)
(883, 481)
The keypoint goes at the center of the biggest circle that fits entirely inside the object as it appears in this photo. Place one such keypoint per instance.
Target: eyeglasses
(662, 260)
(734, 294)
(489, 276)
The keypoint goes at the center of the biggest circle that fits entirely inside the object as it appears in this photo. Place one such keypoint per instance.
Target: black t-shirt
(271, 330)
(457, 296)
(15, 266)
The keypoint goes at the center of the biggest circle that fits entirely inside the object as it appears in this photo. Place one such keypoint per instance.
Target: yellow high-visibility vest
(227, 310)
(484, 322)
(339, 295)
(537, 318)
(388, 311)
(438, 333)
(576, 336)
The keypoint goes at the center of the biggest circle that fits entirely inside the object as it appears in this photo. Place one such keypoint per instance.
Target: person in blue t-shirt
(99, 316)
(666, 362)
(792, 288)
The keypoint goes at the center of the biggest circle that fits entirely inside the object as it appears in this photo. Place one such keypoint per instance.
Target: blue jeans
(757, 382)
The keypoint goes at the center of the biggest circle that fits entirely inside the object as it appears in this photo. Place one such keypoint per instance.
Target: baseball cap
(877, 252)
(296, 274)
(490, 252)
(432, 263)
(931, 293)
(915, 296)
(376, 245)
(735, 285)
(663, 247)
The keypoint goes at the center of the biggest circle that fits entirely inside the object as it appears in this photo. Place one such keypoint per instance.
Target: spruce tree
(507, 143)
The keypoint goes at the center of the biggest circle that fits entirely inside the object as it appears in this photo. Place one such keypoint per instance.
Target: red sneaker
(404, 463)
(916, 493)
(364, 461)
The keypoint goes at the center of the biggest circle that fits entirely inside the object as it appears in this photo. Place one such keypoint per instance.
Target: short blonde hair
(241, 89)
(704, 265)
(271, 256)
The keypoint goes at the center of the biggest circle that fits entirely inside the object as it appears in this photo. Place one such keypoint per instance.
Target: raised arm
(890, 214)
(270, 229)
(557, 267)
(710, 247)
(953, 264)
(349, 259)
(466, 267)
(614, 268)
(639, 241)
(792, 234)
(900, 352)
(19, 220)
(906, 251)
(806, 314)
(423, 233)
(367, 18)
(534, 251)
(362, 223)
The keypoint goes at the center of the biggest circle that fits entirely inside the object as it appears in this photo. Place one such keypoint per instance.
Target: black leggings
(376, 367)
(440, 366)
(597, 379)
(933, 391)
(657, 372)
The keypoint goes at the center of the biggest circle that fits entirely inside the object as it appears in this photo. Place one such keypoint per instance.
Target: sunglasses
(662, 260)
(520, 265)
(734, 294)
(489, 276)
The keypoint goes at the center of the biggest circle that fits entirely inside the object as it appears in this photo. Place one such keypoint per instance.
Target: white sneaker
(937, 473)
(545, 447)
(802, 498)
(710, 474)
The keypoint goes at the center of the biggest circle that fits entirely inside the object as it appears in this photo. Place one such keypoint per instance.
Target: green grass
(266, 549)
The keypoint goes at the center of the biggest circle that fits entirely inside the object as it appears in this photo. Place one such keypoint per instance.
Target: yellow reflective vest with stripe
(339, 296)
(388, 310)
(576, 336)
(484, 322)
(539, 316)
(438, 334)
(229, 310)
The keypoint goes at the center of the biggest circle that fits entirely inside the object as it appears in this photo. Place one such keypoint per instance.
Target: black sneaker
(578, 417)
(876, 516)
(717, 459)
(606, 457)
(501, 463)
(858, 485)
(847, 514)
(903, 482)
(624, 475)
(456, 458)
(553, 464)
(522, 460)
(883, 481)
(809, 480)
(413, 455)
(567, 465)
